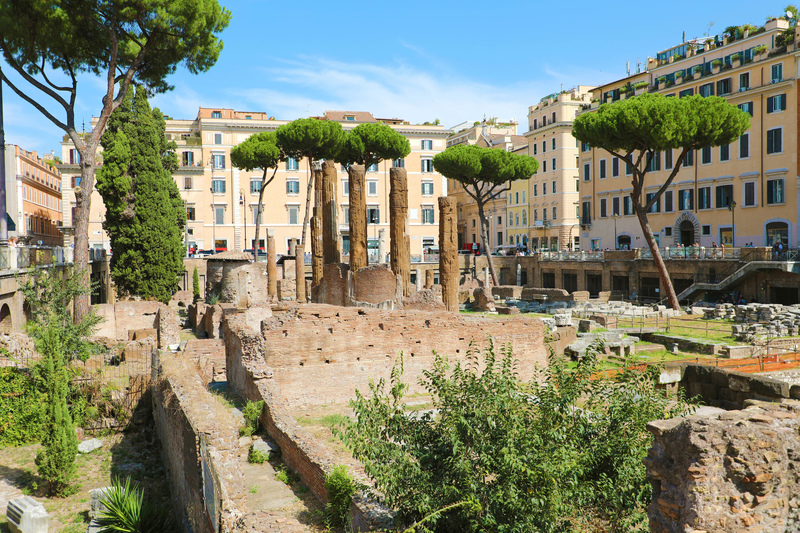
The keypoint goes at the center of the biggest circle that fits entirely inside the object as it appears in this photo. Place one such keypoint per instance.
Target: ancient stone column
(418, 284)
(448, 252)
(293, 247)
(272, 267)
(330, 215)
(381, 245)
(399, 239)
(429, 278)
(358, 217)
(519, 274)
(300, 272)
(317, 263)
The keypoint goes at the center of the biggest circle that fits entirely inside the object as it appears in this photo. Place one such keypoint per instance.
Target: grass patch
(226, 396)
(332, 420)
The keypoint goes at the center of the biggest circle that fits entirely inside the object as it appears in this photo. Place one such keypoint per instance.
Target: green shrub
(256, 457)
(340, 486)
(22, 408)
(212, 298)
(251, 412)
(128, 511)
(195, 285)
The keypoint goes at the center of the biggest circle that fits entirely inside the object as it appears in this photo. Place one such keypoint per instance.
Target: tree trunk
(309, 190)
(81, 303)
(485, 239)
(666, 282)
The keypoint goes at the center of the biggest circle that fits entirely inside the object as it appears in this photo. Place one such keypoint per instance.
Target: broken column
(300, 272)
(448, 253)
(399, 239)
(381, 245)
(429, 278)
(293, 247)
(317, 263)
(358, 217)
(272, 267)
(330, 215)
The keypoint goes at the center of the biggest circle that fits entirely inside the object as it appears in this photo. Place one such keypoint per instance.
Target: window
(705, 155)
(256, 214)
(724, 196)
(372, 187)
(292, 164)
(516, 197)
(586, 209)
(554, 187)
(373, 168)
(686, 92)
(668, 202)
(219, 214)
(656, 207)
(544, 189)
(776, 103)
(218, 186)
(777, 72)
(544, 146)
(427, 165)
(554, 116)
(293, 211)
(585, 147)
(724, 87)
(744, 81)
(705, 229)
(427, 214)
(218, 161)
(188, 159)
(627, 206)
(535, 148)
(345, 187)
(190, 213)
(535, 189)
(544, 166)
(744, 146)
(602, 169)
(427, 144)
(685, 200)
(706, 90)
(688, 159)
(74, 157)
(654, 162)
(704, 198)
(217, 138)
(427, 188)
(667, 159)
(187, 182)
(775, 192)
(554, 143)
(775, 141)
(667, 231)
(373, 215)
(523, 197)
(749, 194)
(603, 208)
(628, 169)
(747, 107)
(399, 163)
(345, 213)
(587, 172)
(615, 206)
(535, 215)
(555, 212)
(615, 167)
(535, 123)
(725, 152)
(216, 114)
(554, 163)
(292, 186)
(255, 186)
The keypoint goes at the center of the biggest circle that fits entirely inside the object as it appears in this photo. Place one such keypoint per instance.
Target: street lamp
(732, 209)
(244, 215)
(616, 243)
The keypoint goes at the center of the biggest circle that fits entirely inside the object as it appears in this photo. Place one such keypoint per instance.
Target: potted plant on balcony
(595, 103)
(747, 29)
(661, 82)
(716, 65)
(679, 77)
(640, 87)
(736, 59)
(760, 52)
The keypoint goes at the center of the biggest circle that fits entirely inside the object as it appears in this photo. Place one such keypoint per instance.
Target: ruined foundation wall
(730, 472)
(321, 354)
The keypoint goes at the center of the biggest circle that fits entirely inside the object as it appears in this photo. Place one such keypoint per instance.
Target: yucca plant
(129, 512)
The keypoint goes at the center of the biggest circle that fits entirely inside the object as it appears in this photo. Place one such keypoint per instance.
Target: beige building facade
(221, 200)
(33, 197)
(745, 193)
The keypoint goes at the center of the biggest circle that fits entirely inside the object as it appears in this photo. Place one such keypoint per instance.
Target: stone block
(697, 373)
(97, 496)
(739, 382)
(720, 377)
(266, 447)
(90, 445)
(772, 388)
(26, 515)
(483, 300)
(140, 334)
(508, 310)
(169, 331)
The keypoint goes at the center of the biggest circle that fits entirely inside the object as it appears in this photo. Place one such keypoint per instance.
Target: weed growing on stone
(251, 412)
(254, 489)
(256, 457)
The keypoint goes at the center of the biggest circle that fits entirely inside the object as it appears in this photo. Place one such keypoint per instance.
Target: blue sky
(455, 61)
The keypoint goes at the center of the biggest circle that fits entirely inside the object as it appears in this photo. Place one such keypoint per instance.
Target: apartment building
(33, 197)
(738, 194)
(553, 191)
(222, 201)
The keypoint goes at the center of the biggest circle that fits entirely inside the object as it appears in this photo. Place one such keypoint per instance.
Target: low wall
(184, 419)
(732, 471)
(728, 389)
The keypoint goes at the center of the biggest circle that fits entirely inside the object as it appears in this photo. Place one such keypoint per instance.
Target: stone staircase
(736, 277)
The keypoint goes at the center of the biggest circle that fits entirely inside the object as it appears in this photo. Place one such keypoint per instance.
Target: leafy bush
(129, 512)
(256, 457)
(340, 486)
(22, 408)
(251, 412)
(551, 455)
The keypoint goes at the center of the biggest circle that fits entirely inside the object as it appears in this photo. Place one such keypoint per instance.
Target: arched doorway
(5, 319)
(777, 233)
(687, 236)
(623, 242)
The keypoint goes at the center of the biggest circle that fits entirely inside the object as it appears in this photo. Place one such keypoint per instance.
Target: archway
(777, 233)
(686, 222)
(5, 319)
(687, 235)
(623, 242)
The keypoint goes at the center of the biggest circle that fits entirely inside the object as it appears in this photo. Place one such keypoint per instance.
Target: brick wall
(732, 472)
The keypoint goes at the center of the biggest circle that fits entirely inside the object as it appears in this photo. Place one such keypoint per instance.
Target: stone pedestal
(272, 268)
(400, 241)
(300, 273)
(330, 215)
(448, 253)
(358, 217)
